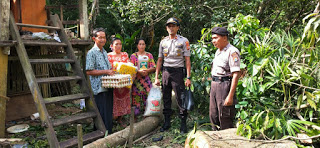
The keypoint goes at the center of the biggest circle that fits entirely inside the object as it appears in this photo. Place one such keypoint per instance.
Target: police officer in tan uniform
(225, 73)
(174, 54)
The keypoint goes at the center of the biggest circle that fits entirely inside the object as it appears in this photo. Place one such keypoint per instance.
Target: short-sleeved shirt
(226, 61)
(173, 51)
(97, 60)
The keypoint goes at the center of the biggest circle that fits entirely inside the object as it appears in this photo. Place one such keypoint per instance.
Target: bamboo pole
(4, 51)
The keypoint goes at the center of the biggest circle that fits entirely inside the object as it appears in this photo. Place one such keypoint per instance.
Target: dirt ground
(35, 136)
(166, 139)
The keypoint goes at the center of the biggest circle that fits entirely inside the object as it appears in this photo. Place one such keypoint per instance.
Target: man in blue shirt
(98, 65)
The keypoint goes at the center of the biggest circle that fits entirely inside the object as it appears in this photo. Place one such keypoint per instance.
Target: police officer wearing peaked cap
(174, 53)
(172, 21)
(225, 74)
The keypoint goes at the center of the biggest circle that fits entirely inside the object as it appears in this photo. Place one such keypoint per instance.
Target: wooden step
(86, 138)
(74, 118)
(46, 61)
(43, 43)
(7, 43)
(37, 26)
(66, 98)
(57, 79)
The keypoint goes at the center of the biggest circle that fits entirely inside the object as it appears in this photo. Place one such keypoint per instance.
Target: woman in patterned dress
(121, 96)
(142, 83)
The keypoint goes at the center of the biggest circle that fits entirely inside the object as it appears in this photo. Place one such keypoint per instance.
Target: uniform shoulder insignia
(188, 45)
(235, 57)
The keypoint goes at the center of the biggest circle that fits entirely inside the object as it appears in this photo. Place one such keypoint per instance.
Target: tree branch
(93, 8)
(212, 9)
(301, 85)
(275, 19)
(317, 10)
(295, 19)
(262, 7)
(302, 119)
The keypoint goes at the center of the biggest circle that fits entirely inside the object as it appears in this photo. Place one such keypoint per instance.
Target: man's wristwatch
(189, 78)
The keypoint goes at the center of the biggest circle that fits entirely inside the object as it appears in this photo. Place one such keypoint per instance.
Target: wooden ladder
(78, 76)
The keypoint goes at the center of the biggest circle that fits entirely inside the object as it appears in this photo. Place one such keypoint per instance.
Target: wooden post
(131, 135)
(61, 13)
(80, 138)
(4, 51)
(84, 21)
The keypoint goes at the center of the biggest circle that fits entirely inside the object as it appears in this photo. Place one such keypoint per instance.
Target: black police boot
(166, 125)
(183, 126)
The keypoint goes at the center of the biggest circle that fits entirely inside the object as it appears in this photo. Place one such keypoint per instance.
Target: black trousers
(173, 79)
(104, 101)
(221, 115)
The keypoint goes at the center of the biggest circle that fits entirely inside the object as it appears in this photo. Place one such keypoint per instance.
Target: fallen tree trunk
(229, 138)
(120, 138)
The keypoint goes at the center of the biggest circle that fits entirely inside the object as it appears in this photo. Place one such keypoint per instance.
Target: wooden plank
(70, 22)
(37, 26)
(4, 35)
(65, 6)
(81, 42)
(43, 43)
(51, 43)
(90, 103)
(73, 118)
(57, 79)
(66, 22)
(33, 13)
(7, 43)
(74, 42)
(15, 58)
(33, 86)
(20, 106)
(84, 21)
(48, 61)
(86, 138)
(66, 98)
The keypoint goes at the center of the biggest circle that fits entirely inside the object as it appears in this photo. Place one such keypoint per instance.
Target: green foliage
(128, 42)
(311, 30)
(280, 78)
(201, 58)
(128, 16)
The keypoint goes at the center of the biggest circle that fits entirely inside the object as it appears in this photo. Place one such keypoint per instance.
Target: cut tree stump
(120, 138)
(228, 138)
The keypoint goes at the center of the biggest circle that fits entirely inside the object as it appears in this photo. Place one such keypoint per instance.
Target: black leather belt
(172, 69)
(221, 79)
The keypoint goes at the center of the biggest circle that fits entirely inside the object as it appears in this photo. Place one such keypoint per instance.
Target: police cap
(220, 30)
(172, 20)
